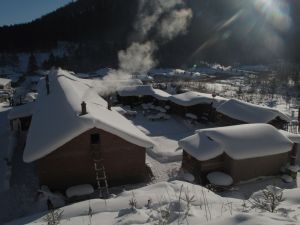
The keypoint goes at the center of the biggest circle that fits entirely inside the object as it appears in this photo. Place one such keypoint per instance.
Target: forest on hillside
(220, 31)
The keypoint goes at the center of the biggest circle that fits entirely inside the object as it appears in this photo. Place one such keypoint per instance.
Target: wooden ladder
(100, 173)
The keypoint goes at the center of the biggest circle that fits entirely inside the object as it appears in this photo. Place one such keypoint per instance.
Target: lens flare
(276, 12)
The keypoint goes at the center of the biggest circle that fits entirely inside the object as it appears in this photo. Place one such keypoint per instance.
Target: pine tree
(32, 65)
(50, 62)
(2, 60)
(14, 60)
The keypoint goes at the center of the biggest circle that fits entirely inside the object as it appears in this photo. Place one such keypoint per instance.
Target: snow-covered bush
(177, 209)
(132, 202)
(267, 199)
(53, 217)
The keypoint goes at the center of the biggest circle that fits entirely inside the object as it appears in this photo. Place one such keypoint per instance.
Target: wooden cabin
(200, 104)
(137, 95)
(235, 149)
(72, 163)
(234, 112)
(65, 143)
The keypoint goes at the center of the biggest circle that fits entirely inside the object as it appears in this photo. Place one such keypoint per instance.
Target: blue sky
(20, 11)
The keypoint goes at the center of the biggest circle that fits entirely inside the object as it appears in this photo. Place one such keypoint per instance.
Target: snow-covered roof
(22, 111)
(4, 81)
(57, 119)
(142, 90)
(238, 142)
(250, 113)
(193, 98)
(293, 137)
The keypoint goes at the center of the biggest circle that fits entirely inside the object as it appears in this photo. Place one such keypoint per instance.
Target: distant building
(234, 112)
(200, 104)
(136, 95)
(243, 151)
(71, 125)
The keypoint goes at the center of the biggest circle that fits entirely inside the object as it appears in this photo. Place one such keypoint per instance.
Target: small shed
(235, 149)
(66, 134)
(136, 95)
(200, 104)
(234, 112)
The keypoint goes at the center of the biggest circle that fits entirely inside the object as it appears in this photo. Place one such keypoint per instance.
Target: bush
(268, 199)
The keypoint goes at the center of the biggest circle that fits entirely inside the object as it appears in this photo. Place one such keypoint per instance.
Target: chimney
(109, 100)
(83, 108)
(47, 85)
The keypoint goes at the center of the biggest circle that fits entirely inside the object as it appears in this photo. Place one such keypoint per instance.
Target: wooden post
(298, 119)
(47, 85)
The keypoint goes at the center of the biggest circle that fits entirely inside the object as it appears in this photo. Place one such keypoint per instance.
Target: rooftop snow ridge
(56, 117)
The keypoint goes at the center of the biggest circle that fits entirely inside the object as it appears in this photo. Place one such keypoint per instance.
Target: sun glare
(275, 12)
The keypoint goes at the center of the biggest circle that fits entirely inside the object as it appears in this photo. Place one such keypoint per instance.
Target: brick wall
(71, 164)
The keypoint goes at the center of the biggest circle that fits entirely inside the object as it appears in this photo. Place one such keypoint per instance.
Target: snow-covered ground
(165, 134)
(174, 202)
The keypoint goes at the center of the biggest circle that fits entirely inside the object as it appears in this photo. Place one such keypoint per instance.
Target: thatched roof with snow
(238, 142)
(143, 90)
(250, 113)
(191, 98)
(57, 118)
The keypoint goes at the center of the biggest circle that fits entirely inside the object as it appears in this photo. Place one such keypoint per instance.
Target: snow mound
(286, 178)
(205, 208)
(219, 178)
(293, 168)
(188, 177)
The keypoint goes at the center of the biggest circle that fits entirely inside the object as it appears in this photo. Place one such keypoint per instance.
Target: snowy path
(162, 171)
(17, 200)
(165, 134)
(21, 195)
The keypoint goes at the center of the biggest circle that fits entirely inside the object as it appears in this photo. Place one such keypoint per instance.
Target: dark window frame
(95, 138)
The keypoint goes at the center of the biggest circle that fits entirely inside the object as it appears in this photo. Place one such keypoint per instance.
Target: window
(95, 138)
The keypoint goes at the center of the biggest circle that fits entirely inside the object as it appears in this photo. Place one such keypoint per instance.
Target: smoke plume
(157, 20)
